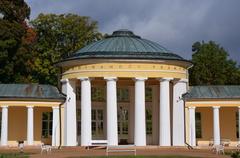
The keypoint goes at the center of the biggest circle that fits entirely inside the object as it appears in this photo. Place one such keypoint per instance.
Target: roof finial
(123, 33)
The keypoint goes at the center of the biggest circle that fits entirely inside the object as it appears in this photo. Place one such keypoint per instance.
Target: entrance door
(149, 123)
(97, 124)
(123, 124)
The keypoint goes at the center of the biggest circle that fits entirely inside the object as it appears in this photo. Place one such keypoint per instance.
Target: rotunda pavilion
(124, 89)
(121, 90)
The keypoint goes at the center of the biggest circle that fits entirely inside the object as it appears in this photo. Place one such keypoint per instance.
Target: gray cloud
(174, 24)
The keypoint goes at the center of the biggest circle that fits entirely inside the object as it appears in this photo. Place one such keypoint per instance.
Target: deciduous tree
(59, 36)
(12, 30)
(212, 65)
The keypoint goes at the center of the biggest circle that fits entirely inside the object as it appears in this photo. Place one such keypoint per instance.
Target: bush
(235, 155)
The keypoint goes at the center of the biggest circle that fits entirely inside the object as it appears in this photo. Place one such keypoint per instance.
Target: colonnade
(178, 137)
(30, 126)
(216, 125)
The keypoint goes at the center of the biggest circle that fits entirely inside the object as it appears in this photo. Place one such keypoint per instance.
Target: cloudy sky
(175, 24)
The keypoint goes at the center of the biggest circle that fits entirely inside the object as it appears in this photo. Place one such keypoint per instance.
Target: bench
(218, 149)
(121, 148)
(224, 142)
(97, 143)
(47, 148)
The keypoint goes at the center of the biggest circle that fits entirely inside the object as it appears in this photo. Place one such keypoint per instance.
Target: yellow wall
(227, 124)
(125, 69)
(213, 102)
(17, 117)
(38, 125)
(24, 103)
(17, 124)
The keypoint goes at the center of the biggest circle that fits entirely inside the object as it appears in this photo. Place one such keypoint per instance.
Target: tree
(25, 58)
(12, 29)
(59, 36)
(212, 66)
(14, 11)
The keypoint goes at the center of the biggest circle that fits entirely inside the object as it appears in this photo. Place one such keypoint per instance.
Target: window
(237, 125)
(46, 124)
(97, 122)
(98, 94)
(78, 93)
(198, 125)
(149, 121)
(78, 122)
(122, 94)
(148, 94)
(122, 120)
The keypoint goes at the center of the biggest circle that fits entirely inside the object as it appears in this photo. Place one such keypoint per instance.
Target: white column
(192, 126)
(239, 125)
(164, 130)
(70, 118)
(4, 131)
(55, 127)
(30, 127)
(140, 121)
(178, 128)
(216, 125)
(86, 127)
(112, 127)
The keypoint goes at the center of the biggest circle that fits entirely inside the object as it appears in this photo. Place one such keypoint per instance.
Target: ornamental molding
(124, 67)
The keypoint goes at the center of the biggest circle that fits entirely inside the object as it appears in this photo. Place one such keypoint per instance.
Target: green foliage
(58, 36)
(12, 30)
(235, 154)
(14, 155)
(212, 66)
(14, 11)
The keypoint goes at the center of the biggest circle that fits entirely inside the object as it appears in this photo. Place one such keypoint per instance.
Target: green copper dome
(124, 44)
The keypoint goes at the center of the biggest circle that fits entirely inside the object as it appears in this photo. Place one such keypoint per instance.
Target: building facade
(30, 113)
(126, 90)
(212, 115)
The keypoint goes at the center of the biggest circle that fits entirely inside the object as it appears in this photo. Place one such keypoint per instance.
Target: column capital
(216, 107)
(165, 79)
(192, 107)
(140, 78)
(83, 78)
(63, 81)
(110, 78)
(29, 106)
(181, 80)
(4, 106)
(55, 107)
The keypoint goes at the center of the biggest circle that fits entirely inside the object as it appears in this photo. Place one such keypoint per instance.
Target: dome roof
(124, 44)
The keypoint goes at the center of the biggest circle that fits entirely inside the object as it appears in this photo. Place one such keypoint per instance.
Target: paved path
(79, 151)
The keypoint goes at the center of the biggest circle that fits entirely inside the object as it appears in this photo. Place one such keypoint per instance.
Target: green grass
(13, 155)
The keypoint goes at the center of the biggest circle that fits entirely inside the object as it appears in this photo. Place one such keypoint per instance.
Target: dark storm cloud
(175, 24)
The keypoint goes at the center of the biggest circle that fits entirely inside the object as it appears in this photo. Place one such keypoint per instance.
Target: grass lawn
(13, 155)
